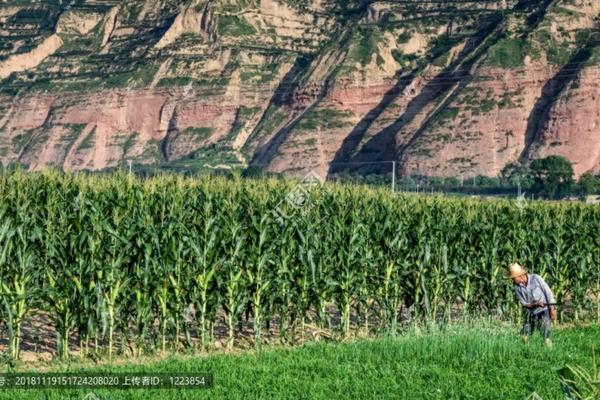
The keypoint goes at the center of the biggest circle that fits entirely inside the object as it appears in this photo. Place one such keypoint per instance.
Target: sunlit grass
(457, 362)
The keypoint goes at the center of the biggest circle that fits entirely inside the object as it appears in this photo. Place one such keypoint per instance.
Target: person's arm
(548, 295)
(521, 297)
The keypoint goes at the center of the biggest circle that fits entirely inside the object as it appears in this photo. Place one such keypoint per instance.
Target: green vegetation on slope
(325, 118)
(366, 41)
(235, 26)
(506, 53)
(88, 141)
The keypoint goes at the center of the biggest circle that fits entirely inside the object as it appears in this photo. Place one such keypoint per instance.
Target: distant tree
(436, 181)
(253, 171)
(14, 166)
(515, 174)
(552, 177)
(486, 181)
(406, 182)
(452, 181)
(588, 184)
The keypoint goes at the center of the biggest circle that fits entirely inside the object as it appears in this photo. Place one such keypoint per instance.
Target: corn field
(122, 265)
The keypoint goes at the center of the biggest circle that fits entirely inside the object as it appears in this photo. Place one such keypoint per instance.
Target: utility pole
(393, 176)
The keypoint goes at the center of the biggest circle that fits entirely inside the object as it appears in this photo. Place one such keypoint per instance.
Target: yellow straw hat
(514, 270)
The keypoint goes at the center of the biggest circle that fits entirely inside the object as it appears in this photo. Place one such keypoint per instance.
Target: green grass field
(483, 361)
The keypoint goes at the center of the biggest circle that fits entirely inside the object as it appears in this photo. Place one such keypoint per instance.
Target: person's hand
(553, 313)
(541, 303)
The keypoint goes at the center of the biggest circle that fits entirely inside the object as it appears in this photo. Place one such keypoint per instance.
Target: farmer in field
(535, 296)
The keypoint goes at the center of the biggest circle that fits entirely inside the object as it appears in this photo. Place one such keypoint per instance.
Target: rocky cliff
(443, 88)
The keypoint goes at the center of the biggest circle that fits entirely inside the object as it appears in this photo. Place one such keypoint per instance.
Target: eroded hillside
(441, 87)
